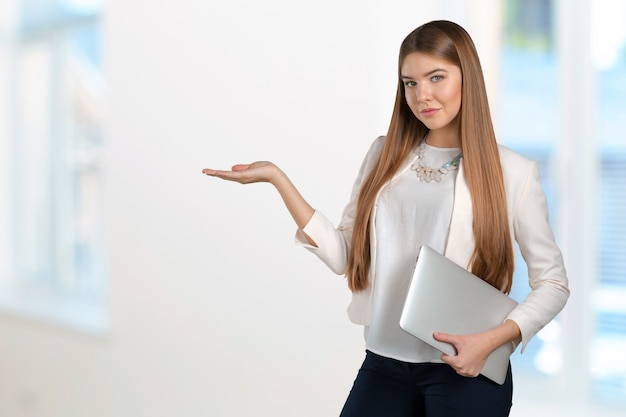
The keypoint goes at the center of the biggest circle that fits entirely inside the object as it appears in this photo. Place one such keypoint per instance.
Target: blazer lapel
(461, 243)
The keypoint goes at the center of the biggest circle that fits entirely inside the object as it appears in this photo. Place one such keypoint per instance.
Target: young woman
(438, 178)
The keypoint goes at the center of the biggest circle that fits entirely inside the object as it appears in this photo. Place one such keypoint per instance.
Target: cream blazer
(528, 222)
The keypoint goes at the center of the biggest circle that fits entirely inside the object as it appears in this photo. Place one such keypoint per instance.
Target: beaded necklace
(428, 174)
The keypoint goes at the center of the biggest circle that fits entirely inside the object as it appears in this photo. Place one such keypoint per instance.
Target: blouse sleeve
(333, 243)
(546, 271)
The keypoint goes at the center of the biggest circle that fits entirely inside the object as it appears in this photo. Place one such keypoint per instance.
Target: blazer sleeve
(546, 271)
(333, 243)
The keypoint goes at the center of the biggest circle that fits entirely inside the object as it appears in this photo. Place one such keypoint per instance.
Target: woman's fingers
(471, 353)
(227, 175)
(245, 173)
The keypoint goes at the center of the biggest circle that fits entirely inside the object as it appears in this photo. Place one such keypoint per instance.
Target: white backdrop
(249, 324)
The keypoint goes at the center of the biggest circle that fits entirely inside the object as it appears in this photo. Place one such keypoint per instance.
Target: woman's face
(432, 87)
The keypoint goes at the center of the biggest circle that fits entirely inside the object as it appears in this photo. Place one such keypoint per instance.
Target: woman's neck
(439, 140)
(446, 137)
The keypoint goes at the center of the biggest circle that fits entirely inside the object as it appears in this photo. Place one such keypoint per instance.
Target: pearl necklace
(427, 174)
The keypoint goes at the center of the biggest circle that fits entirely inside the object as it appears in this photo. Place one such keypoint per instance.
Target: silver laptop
(444, 297)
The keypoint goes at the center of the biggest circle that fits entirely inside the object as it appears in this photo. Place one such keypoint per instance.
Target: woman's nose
(423, 93)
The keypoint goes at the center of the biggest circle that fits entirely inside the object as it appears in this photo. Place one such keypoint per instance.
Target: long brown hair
(492, 258)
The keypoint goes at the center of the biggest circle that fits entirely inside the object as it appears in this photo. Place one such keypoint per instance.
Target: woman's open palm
(260, 171)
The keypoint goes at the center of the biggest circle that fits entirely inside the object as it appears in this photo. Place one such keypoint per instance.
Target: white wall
(214, 308)
(215, 311)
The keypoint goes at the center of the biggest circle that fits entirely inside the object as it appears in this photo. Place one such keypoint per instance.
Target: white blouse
(411, 213)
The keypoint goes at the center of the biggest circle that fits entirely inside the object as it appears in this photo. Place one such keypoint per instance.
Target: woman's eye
(436, 78)
(410, 83)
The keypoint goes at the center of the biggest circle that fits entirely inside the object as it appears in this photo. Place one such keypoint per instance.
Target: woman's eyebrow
(434, 71)
(407, 77)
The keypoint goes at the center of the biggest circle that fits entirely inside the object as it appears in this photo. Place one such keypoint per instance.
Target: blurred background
(132, 285)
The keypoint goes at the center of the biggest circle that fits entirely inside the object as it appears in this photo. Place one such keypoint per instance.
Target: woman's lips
(429, 112)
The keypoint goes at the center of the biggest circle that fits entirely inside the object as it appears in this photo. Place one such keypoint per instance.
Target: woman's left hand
(472, 352)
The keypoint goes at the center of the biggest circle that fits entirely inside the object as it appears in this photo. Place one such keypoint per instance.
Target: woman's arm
(264, 171)
(547, 276)
(316, 233)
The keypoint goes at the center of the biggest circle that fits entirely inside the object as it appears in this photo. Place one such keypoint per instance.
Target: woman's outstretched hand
(265, 171)
(261, 171)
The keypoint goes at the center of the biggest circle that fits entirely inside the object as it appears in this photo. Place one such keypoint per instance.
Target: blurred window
(608, 53)
(529, 117)
(52, 251)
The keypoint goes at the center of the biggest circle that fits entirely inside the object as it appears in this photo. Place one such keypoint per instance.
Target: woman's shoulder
(375, 148)
(517, 170)
(378, 143)
(512, 159)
